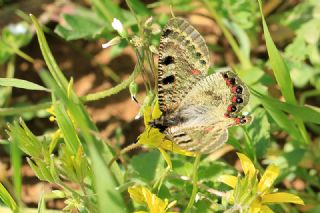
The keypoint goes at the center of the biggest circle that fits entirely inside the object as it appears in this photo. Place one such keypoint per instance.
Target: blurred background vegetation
(71, 110)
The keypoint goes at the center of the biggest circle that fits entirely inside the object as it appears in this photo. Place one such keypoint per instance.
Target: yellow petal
(255, 207)
(140, 212)
(282, 197)
(230, 180)
(141, 195)
(156, 113)
(136, 194)
(247, 165)
(147, 115)
(267, 179)
(171, 146)
(266, 209)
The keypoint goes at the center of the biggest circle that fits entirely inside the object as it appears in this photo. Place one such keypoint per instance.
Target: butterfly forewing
(183, 61)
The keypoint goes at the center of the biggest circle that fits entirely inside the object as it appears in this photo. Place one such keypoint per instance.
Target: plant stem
(113, 90)
(194, 183)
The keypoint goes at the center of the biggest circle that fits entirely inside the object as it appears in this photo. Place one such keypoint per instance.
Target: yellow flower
(152, 136)
(52, 117)
(142, 195)
(254, 195)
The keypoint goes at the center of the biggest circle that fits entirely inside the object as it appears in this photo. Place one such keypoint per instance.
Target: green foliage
(282, 77)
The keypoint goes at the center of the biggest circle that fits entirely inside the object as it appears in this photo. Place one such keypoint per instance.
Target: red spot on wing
(195, 72)
(207, 130)
(229, 108)
(237, 120)
(234, 99)
(234, 89)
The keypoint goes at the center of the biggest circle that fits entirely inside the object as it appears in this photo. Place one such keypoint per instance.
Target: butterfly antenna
(123, 151)
(171, 11)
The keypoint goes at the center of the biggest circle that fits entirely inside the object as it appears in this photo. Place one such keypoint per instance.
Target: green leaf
(107, 194)
(7, 199)
(83, 23)
(107, 10)
(42, 205)
(304, 113)
(67, 128)
(279, 67)
(259, 131)
(146, 164)
(23, 84)
(139, 8)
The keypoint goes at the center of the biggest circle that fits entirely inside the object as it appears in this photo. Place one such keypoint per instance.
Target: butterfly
(197, 108)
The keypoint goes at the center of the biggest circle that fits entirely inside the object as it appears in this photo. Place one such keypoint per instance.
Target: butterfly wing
(183, 61)
(211, 100)
(203, 113)
(204, 139)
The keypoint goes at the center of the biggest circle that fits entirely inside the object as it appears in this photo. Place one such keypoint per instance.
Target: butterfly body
(197, 108)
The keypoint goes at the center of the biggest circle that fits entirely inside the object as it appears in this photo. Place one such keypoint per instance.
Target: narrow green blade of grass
(41, 205)
(279, 67)
(7, 199)
(23, 84)
(304, 113)
(68, 130)
(283, 121)
(282, 74)
(48, 57)
(15, 155)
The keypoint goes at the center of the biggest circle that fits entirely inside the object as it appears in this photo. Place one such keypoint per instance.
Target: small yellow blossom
(258, 194)
(152, 136)
(142, 195)
(52, 117)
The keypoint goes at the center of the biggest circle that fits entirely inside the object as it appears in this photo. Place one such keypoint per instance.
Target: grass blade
(7, 199)
(23, 84)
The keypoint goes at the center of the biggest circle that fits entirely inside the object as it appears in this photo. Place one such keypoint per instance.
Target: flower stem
(113, 90)
(194, 183)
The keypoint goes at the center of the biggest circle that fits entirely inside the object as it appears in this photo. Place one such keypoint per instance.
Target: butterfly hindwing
(183, 61)
(202, 139)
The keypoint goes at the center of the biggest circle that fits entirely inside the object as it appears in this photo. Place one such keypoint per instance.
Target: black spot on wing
(166, 33)
(168, 60)
(168, 80)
